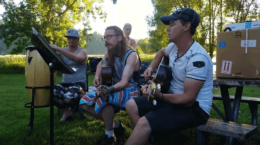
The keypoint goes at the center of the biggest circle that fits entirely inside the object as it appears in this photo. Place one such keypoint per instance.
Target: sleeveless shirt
(80, 70)
(119, 69)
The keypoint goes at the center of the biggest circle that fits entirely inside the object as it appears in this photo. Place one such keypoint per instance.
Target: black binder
(49, 54)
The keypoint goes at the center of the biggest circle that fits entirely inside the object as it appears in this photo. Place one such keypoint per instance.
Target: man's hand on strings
(144, 90)
(148, 73)
(102, 92)
(96, 81)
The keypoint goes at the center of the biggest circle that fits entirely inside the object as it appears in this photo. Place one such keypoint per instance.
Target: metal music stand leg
(52, 70)
(32, 112)
(32, 106)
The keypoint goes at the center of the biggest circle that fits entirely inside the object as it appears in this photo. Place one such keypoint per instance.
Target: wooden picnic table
(232, 113)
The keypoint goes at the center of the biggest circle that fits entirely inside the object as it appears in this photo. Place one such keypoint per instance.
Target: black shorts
(165, 118)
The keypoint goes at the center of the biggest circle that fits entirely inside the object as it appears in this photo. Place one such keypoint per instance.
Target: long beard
(116, 51)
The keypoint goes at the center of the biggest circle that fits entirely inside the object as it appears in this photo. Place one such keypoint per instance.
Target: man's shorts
(165, 118)
(69, 91)
(118, 98)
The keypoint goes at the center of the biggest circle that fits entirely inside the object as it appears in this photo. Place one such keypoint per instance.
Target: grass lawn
(14, 118)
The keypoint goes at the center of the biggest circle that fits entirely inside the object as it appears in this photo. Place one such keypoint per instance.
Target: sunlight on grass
(14, 61)
(144, 57)
(12, 64)
(10, 57)
(15, 64)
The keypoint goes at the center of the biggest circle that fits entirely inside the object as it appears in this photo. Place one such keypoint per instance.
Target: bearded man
(125, 64)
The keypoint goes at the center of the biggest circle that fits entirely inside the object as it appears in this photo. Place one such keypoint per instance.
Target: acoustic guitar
(162, 79)
(106, 73)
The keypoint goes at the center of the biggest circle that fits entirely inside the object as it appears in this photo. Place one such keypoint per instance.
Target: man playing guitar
(188, 102)
(125, 65)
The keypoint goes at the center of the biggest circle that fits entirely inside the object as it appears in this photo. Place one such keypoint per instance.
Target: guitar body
(106, 76)
(163, 75)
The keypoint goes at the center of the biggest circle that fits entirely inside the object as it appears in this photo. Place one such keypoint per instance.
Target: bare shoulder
(82, 50)
(132, 57)
(164, 52)
(133, 54)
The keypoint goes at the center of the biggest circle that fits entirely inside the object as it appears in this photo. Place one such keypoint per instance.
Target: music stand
(55, 63)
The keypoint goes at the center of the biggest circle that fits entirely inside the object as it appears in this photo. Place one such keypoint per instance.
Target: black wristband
(111, 89)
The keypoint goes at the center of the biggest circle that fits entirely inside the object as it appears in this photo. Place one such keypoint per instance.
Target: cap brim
(71, 36)
(166, 19)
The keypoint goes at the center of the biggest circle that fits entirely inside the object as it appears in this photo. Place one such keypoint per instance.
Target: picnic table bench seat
(243, 99)
(220, 127)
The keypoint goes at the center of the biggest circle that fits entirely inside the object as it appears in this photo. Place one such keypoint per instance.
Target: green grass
(14, 118)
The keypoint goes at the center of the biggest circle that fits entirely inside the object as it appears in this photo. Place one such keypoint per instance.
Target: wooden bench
(252, 102)
(243, 99)
(230, 129)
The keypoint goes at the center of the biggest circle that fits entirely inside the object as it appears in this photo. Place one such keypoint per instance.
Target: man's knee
(144, 124)
(59, 103)
(131, 106)
(67, 101)
(86, 107)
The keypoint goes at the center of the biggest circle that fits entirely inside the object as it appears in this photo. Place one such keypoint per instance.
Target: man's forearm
(120, 86)
(180, 99)
(98, 69)
(157, 59)
(72, 56)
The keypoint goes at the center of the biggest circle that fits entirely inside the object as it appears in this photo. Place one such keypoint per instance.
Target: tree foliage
(50, 17)
(142, 47)
(214, 15)
(96, 45)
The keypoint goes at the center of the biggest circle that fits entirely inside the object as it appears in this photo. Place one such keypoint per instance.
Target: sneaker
(119, 131)
(107, 141)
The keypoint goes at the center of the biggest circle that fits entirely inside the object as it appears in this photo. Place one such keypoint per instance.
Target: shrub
(13, 65)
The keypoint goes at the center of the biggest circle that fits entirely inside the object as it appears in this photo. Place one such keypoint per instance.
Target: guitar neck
(153, 75)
